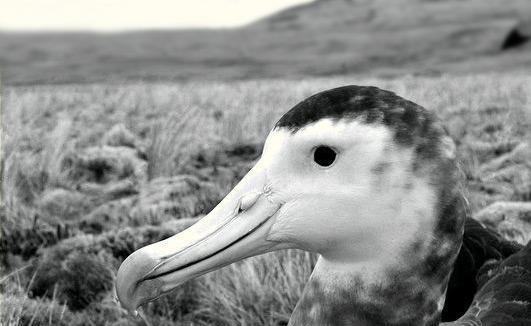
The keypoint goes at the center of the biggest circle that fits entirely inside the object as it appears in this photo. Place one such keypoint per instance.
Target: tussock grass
(187, 128)
(259, 291)
(18, 309)
(171, 141)
(28, 172)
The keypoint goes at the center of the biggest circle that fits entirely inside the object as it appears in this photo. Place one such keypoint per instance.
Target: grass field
(92, 172)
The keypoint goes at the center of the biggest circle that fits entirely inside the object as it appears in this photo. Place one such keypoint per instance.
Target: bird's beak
(236, 229)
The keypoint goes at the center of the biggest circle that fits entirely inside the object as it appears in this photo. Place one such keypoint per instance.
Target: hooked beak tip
(130, 289)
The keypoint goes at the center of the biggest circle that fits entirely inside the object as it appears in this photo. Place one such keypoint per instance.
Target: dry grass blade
(171, 141)
(27, 174)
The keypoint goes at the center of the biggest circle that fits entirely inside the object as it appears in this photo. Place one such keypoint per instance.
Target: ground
(92, 172)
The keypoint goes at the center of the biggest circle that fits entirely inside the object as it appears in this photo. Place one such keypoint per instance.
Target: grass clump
(76, 279)
(18, 309)
(22, 311)
(31, 165)
(261, 290)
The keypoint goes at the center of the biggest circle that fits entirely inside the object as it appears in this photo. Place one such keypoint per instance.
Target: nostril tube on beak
(248, 200)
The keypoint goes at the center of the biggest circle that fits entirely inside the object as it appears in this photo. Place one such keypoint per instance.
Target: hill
(320, 38)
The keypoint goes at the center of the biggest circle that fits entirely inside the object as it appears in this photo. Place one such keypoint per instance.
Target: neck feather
(356, 298)
(410, 291)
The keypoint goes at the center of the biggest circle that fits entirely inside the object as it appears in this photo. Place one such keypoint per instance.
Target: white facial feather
(367, 206)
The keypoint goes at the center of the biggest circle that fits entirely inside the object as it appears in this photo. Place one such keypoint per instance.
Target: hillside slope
(320, 38)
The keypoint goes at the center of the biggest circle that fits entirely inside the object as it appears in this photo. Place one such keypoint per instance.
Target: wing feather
(502, 282)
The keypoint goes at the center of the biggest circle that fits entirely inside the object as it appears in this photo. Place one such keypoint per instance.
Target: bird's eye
(324, 156)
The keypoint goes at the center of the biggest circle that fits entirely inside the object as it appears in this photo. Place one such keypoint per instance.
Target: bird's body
(480, 245)
(364, 178)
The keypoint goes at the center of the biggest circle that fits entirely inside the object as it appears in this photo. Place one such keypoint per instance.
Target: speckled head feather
(411, 123)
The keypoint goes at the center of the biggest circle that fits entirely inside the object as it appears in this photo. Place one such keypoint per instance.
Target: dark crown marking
(413, 126)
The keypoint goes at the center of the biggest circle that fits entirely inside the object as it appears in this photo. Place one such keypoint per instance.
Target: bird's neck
(408, 291)
(368, 295)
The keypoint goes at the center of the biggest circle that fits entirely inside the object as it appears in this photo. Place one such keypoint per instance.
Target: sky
(119, 15)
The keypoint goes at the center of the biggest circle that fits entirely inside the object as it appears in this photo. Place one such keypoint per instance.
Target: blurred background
(87, 41)
(123, 122)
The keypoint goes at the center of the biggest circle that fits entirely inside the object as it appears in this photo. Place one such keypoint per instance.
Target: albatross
(370, 182)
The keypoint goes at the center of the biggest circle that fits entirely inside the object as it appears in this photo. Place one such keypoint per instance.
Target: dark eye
(324, 155)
